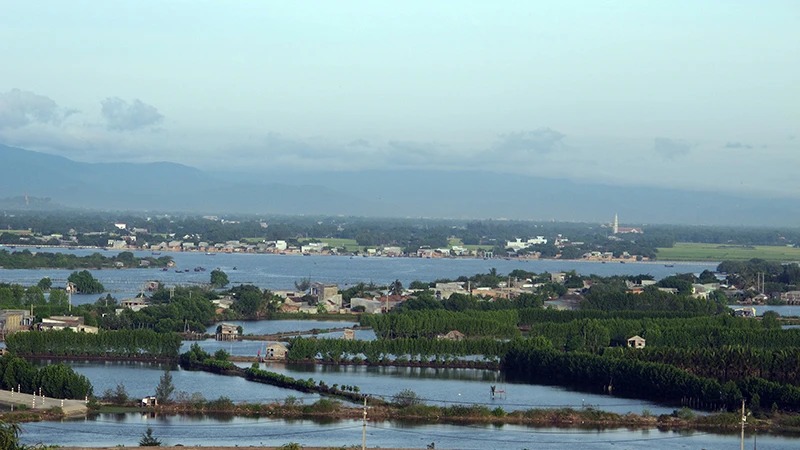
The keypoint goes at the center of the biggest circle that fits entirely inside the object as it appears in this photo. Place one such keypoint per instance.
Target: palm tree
(9, 435)
(396, 288)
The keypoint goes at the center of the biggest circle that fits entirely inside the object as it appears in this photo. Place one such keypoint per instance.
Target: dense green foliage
(170, 310)
(708, 331)
(85, 283)
(55, 380)
(608, 297)
(634, 378)
(25, 259)
(724, 363)
(113, 344)
(381, 350)
(431, 323)
(219, 278)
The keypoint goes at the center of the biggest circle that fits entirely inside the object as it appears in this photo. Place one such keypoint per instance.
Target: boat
(211, 254)
(156, 253)
(669, 265)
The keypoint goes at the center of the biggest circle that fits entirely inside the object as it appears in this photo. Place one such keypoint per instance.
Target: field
(685, 251)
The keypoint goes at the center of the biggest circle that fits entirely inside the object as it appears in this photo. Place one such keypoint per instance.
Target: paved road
(70, 407)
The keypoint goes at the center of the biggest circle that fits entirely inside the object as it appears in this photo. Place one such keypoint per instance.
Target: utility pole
(364, 427)
(744, 419)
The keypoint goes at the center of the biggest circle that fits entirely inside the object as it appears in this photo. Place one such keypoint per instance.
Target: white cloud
(123, 116)
(20, 108)
(539, 141)
(671, 148)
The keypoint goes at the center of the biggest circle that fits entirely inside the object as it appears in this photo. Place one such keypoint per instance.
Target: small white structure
(276, 350)
(636, 342)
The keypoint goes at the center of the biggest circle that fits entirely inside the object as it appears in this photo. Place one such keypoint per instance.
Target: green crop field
(685, 251)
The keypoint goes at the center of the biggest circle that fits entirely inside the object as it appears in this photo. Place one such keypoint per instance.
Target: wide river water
(279, 272)
(127, 429)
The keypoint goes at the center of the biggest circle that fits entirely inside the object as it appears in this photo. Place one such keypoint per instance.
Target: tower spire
(616, 223)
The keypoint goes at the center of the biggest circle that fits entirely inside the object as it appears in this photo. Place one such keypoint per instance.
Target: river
(279, 272)
(126, 430)
(433, 386)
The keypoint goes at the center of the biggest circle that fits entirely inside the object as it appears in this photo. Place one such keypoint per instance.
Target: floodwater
(127, 429)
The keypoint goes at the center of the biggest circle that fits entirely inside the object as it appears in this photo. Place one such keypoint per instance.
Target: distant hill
(159, 186)
(23, 202)
(388, 193)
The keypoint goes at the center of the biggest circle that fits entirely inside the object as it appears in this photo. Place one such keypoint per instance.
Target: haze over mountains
(171, 187)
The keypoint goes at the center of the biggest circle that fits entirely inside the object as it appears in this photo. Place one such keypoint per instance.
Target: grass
(19, 232)
(349, 245)
(685, 251)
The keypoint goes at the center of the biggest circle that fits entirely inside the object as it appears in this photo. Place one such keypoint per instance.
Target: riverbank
(260, 447)
(213, 252)
(458, 415)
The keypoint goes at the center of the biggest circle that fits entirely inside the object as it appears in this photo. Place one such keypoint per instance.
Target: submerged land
(675, 341)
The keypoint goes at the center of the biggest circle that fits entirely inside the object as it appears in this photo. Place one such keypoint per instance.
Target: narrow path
(70, 407)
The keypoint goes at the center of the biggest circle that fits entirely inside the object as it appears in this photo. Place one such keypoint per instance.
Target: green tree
(58, 297)
(405, 398)
(219, 278)
(148, 440)
(9, 436)
(303, 284)
(45, 284)
(165, 387)
(396, 288)
(86, 283)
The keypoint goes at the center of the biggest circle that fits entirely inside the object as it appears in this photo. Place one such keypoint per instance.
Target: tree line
(55, 380)
(121, 344)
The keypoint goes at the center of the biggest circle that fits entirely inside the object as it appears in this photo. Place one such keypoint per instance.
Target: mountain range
(171, 187)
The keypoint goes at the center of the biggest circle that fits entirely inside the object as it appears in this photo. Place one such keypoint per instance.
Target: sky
(691, 94)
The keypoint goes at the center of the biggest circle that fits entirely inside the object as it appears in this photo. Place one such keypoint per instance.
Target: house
(149, 401)
(349, 334)
(392, 251)
(791, 297)
(326, 292)
(74, 323)
(443, 291)
(636, 342)
(134, 304)
(13, 320)
(370, 306)
(221, 304)
(745, 312)
(276, 350)
(454, 335)
(227, 332)
(313, 247)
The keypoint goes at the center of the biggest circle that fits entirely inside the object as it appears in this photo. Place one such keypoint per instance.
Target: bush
(406, 398)
(325, 405)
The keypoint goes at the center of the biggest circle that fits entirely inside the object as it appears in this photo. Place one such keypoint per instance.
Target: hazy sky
(696, 94)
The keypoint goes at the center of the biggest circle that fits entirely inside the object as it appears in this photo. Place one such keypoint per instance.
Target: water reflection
(108, 430)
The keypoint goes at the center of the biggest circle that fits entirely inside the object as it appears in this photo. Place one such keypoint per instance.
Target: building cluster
(19, 320)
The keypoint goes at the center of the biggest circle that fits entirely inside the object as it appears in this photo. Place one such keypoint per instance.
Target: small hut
(636, 342)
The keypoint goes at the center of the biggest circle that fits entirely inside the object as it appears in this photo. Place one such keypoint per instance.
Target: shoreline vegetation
(523, 257)
(26, 259)
(333, 410)
(680, 252)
